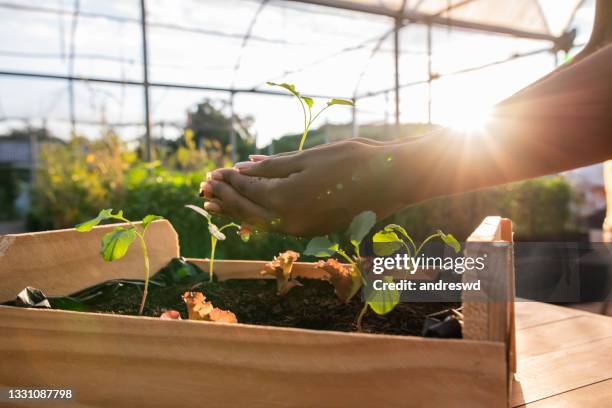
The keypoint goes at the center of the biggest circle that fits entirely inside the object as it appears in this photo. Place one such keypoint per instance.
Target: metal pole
(398, 23)
(232, 130)
(429, 74)
(355, 128)
(145, 67)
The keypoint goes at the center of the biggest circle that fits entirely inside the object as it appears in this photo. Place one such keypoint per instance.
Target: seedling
(347, 282)
(216, 235)
(199, 309)
(116, 243)
(306, 103)
(280, 268)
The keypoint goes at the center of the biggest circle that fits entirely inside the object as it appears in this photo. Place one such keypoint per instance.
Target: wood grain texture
(124, 361)
(564, 355)
(64, 261)
(596, 395)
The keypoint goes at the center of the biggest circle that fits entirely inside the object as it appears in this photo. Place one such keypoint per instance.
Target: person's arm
(559, 123)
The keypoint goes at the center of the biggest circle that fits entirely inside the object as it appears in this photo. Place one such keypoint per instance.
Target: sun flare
(469, 119)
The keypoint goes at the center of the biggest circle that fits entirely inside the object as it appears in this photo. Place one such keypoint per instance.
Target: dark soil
(311, 306)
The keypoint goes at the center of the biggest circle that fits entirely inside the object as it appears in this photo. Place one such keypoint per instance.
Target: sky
(320, 50)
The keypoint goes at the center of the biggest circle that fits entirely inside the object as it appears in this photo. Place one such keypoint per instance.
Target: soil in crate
(313, 305)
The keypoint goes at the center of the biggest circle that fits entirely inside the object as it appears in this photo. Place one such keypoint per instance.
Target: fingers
(272, 167)
(229, 202)
(254, 188)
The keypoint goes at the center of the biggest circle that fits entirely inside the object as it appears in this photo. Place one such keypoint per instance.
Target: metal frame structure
(399, 19)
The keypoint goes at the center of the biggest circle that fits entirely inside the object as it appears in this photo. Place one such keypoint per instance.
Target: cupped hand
(311, 192)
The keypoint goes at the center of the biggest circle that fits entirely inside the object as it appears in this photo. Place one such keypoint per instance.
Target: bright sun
(468, 119)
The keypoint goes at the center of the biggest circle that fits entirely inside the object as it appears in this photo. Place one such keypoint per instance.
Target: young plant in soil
(347, 280)
(216, 235)
(116, 243)
(306, 103)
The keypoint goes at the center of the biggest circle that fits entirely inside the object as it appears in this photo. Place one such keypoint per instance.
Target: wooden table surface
(564, 357)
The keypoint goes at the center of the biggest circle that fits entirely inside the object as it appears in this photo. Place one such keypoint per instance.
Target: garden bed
(128, 357)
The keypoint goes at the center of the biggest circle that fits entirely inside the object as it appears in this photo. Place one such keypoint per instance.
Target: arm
(561, 122)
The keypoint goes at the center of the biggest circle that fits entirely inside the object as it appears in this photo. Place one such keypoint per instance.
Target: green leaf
(335, 101)
(200, 211)
(386, 242)
(116, 243)
(308, 101)
(149, 219)
(103, 215)
(289, 87)
(450, 241)
(360, 226)
(356, 281)
(383, 301)
(321, 247)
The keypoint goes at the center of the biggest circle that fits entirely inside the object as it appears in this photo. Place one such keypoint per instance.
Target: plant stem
(211, 265)
(303, 139)
(145, 254)
(360, 317)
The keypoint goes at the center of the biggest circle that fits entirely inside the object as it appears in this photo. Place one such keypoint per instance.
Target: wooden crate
(128, 361)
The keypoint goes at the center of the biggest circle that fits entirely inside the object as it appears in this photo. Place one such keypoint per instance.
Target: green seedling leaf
(116, 243)
(386, 242)
(308, 101)
(321, 247)
(216, 232)
(200, 211)
(336, 101)
(149, 219)
(383, 301)
(103, 215)
(360, 226)
(450, 241)
(289, 87)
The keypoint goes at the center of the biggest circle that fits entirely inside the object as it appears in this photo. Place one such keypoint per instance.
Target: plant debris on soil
(314, 305)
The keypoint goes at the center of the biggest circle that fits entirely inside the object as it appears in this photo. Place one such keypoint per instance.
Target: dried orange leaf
(222, 316)
(170, 315)
(339, 275)
(280, 268)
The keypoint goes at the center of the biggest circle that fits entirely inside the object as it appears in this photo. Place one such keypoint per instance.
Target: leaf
(170, 315)
(103, 215)
(450, 241)
(245, 232)
(336, 101)
(289, 87)
(149, 219)
(199, 309)
(216, 232)
(280, 268)
(360, 226)
(383, 301)
(342, 278)
(386, 242)
(321, 247)
(116, 243)
(308, 101)
(199, 210)
(222, 316)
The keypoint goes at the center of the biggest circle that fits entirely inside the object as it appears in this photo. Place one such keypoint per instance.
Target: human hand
(311, 192)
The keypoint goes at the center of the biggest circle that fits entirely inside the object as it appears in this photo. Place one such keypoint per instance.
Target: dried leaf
(199, 309)
(170, 315)
(339, 276)
(280, 267)
(222, 316)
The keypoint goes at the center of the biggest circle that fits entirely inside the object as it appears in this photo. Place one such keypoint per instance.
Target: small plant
(306, 103)
(216, 234)
(348, 279)
(116, 243)
(280, 268)
(199, 309)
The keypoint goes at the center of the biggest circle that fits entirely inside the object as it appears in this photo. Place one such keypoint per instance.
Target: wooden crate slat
(64, 261)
